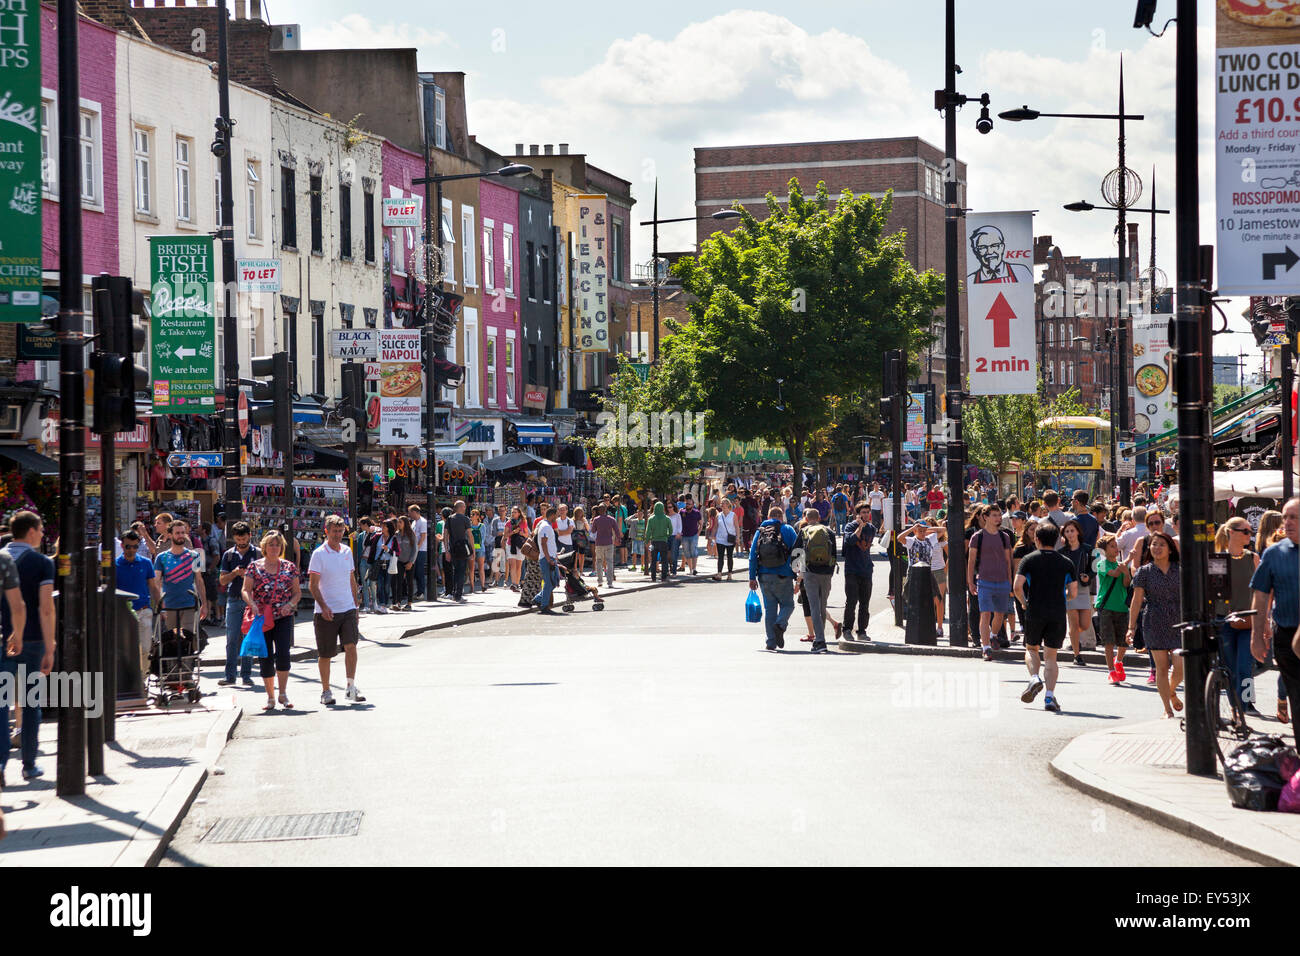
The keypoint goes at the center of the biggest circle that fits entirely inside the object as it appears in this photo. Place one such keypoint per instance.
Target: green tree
(621, 465)
(793, 313)
(1000, 429)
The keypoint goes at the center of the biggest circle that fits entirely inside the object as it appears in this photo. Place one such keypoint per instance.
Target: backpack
(817, 547)
(1004, 534)
(772, 549)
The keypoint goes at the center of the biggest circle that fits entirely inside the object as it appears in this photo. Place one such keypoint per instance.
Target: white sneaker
(381, 610)
(354, 694)
(327, 698)
(1032, 690)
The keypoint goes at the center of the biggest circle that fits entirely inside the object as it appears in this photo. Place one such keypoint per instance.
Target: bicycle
(1224, 731)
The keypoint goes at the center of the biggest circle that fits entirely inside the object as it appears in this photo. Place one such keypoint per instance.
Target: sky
(637, 87)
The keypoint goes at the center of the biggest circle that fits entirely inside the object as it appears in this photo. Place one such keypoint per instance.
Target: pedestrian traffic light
(891, 377)
(115, 375)
(353, 407)
(278, 392)
(930, 403)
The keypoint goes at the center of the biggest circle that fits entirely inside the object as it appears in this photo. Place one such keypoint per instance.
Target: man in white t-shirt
(876, 499)
(333, 583)
(547, 546)
(420, 526)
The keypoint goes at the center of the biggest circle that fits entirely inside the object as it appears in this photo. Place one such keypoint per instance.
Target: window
(532, 367)
(399, 252)
(471, 362)
(183, 150)
(448, 245)
(368, 224)
(440, 119)
(545, 265)
(345, 221)
(510, 370)
(254, 324)
(288, 209)
(1071, 373)
(142, 138)
(489, 369)
(467, 246)
(508, 256)
(318, 352)
(532, 271)
(254, 200)
(489, 256)
(616, 251)
(49, 151)
(317, 230)
(90, 167)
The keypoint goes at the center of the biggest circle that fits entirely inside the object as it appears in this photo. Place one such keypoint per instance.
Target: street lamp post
(432, 292)
(656, 222)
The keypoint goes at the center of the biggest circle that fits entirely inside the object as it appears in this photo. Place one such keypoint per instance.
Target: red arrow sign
(1001, 314)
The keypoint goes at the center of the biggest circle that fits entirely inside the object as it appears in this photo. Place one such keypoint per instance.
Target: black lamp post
(1121, 188)
(430, 388)
(656, 222)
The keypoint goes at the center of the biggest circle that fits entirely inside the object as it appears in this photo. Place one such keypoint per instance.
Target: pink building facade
(500, 378)
(400, 169)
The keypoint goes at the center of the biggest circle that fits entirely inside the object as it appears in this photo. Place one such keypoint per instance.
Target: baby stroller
(575, 589)
(175, 656)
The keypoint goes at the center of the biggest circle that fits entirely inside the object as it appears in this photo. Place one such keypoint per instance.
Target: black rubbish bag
(1252, 774)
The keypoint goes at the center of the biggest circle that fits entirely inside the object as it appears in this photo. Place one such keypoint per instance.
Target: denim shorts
(690, 546)
(995, 597)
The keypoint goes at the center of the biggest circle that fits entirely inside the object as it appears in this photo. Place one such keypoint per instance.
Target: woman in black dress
(1157, 597)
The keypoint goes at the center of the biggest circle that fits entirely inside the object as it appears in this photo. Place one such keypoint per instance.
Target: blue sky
(637, 87)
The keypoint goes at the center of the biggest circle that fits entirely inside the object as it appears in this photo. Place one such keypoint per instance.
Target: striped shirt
(177, 572)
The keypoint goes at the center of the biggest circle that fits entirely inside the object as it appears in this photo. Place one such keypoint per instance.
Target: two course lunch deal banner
(184, 324)
(1257, 146)
(1000, 302)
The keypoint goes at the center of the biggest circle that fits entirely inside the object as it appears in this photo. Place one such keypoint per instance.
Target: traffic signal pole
(70, 777)
(230, 323)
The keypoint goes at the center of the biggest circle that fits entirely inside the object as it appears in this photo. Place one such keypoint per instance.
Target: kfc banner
(1000, 303)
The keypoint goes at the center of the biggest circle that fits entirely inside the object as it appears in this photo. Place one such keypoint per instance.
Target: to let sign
(402, 212)
(259, 275)
(354, 343)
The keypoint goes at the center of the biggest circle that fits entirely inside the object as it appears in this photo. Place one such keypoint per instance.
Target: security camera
(985, 123)
(1146, 12)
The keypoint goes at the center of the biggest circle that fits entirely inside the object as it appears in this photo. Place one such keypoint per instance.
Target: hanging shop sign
(1257, 148)
(535, 397)
(354, 343)
(1000, 299)
(258, 275)
(591, 276)
(38, 342)
(184, 324)
(401, 385)
(402, 212)
(20, 173)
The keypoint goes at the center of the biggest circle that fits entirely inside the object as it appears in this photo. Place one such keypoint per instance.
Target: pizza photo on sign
(1262, 13)
(400, 382)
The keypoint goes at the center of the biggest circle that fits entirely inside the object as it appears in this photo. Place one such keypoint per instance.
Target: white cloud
(359, 32)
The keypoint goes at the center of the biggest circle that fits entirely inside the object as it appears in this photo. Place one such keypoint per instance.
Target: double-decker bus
(1081, 461)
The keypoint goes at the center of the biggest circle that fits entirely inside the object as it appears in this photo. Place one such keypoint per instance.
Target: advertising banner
(20, 173)
(258, 275)
(184, 324)
(591, 276)
(915, 420)
(1153, 376)
(403, 212)
(401, 387)
(1000, 299)
(1257, 147)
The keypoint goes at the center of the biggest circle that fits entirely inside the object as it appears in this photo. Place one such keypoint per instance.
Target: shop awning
(29, 460)
(517, 459)
(535, 433)
(324, 459)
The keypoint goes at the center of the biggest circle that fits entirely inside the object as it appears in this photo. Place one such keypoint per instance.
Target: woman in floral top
(271, 586)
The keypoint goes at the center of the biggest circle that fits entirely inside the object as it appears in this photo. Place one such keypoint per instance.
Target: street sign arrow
(1001, 314)
(1272, 260)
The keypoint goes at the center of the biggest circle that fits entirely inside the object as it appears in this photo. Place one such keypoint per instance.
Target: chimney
(519, 149)
(550, 150)
(241, 12)
(532, 150)
(564, 149)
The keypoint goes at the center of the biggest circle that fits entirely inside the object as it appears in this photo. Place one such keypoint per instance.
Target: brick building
(909, 166)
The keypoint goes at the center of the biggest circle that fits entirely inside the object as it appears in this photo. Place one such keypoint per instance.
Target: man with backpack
(840, 508)
(771, 574)
(818, 543)
(988, 573)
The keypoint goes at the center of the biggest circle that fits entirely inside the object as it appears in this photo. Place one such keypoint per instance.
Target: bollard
(920, 606)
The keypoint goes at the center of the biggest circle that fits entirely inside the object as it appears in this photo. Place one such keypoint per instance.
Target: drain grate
(288, 826)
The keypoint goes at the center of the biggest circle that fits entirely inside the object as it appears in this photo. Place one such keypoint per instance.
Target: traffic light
(891, 376)
(115, 375)
(279, 393)
(930, 403)
(353, 407)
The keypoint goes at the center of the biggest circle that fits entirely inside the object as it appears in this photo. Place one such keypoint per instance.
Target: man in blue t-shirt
(33, 649)
(182, 583)
(136, 574)
(1277, 582)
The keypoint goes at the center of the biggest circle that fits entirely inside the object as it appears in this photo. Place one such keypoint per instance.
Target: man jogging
(333, 583)
(856, 551)
(1044, 582)
(770, 573)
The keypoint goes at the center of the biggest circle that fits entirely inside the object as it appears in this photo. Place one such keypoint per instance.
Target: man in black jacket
(856, 551)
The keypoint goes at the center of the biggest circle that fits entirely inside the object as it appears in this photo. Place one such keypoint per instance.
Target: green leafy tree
(1000, 429)
(620, 465)
(793, 313)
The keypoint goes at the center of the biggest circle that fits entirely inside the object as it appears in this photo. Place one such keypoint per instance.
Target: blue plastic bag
(753, 608)
(254, 641)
